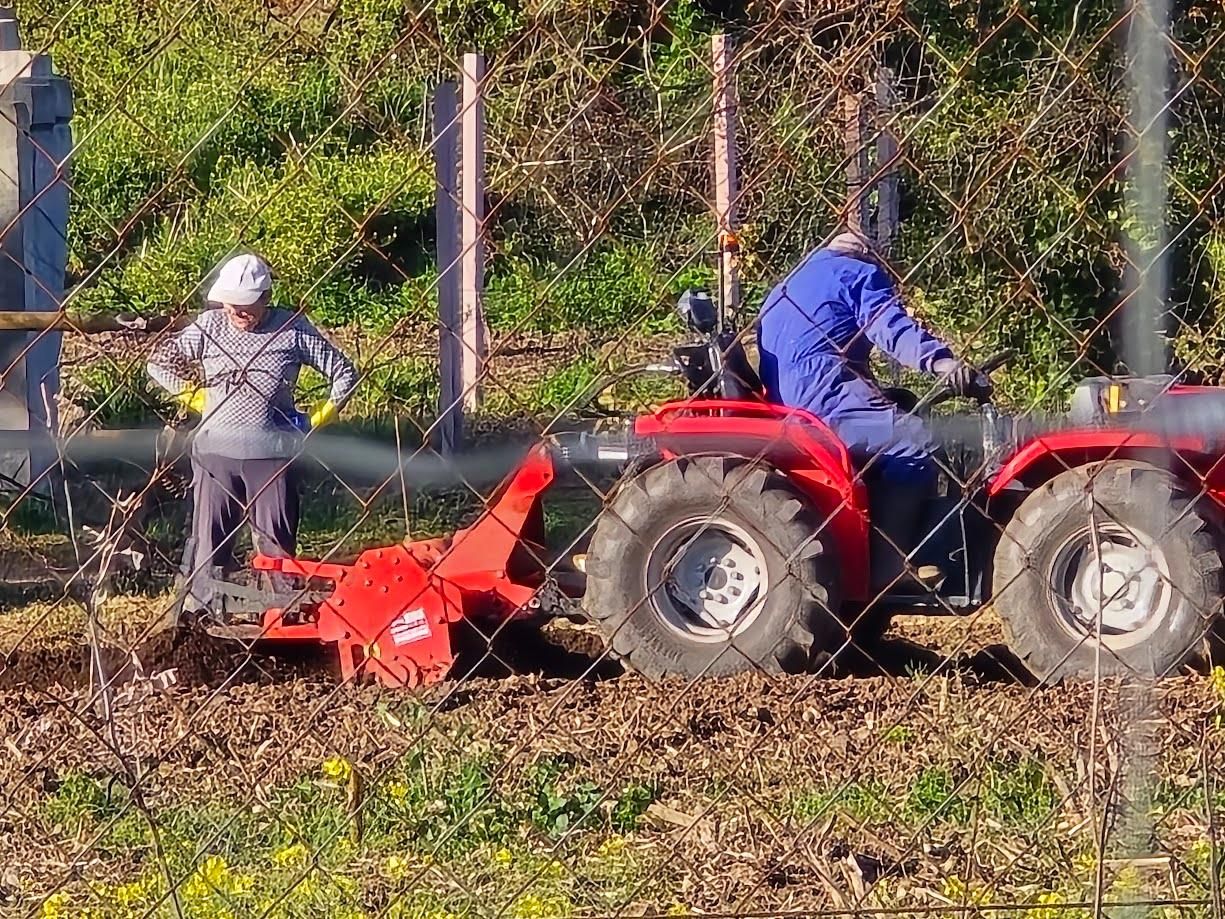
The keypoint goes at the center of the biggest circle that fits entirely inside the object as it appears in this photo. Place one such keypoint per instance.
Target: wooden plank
(43, 321)
(858, 213)
(887, 163)
(726, 176)
(472, 240)
(449, 431)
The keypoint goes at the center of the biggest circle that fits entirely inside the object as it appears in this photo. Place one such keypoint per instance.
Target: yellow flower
(555, 869)
(398, 791)
(338, 768)
(213, 876)
(396, 866)
(1048, 899)
(532, 906)
(55, 906)
(287, 856)
(678, 909)
(133, 894)
(954, 888)
(610, 847)
(215, 870)
(1201, 851)
(1216, 682)
(208, 877)
(503, 857)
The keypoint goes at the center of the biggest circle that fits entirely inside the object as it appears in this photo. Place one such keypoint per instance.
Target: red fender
(1049, 454)
(798, 444)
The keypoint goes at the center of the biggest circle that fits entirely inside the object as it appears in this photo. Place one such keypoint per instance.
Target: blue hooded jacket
(816, 332)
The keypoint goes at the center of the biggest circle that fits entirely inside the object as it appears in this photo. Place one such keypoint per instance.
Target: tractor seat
(738, 380)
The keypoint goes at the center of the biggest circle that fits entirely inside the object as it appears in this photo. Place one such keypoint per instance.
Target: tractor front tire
(1142, 571)
(712, 566)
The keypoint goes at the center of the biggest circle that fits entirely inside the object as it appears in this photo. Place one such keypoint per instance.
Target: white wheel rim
(707, 579)
(1119, 591)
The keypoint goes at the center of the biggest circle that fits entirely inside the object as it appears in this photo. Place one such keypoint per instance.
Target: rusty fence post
(725, 164)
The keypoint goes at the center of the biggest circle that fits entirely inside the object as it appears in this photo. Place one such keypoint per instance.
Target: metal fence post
(449, 431)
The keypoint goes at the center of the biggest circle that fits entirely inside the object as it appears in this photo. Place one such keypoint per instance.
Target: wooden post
(726, 179)
(449, 431)
(858, 169)
(472, 257)
(886, 159)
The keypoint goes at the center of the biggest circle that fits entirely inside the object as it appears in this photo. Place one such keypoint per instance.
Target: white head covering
(849, 243)
(241, 281)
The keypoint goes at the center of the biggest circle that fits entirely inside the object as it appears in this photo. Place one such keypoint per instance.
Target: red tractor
(737, 537)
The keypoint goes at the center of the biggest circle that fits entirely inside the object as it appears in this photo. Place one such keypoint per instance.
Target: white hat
(241, 281)
(849, 243)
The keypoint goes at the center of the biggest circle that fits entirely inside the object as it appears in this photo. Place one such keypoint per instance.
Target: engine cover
(1101, 400)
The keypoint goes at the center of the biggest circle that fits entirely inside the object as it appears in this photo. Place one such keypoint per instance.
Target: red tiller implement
(391, 612)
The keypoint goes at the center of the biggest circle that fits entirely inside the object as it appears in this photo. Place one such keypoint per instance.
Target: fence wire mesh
(569, 613)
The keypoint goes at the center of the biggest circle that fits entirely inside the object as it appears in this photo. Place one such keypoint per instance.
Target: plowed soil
(730, 760)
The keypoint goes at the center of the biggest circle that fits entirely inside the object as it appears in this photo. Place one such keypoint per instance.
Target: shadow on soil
(901, 657)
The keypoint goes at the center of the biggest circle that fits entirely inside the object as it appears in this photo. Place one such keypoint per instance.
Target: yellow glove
(192, 399)
(324, 414)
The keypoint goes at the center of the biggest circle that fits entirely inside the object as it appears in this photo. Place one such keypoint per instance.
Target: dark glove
(961, 378)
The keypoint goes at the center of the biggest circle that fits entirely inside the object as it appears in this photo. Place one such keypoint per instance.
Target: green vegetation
(1016, 795)
(434, 815)
(206, 126)
(456, 824)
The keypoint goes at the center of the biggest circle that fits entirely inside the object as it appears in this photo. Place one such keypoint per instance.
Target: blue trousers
(887, 443)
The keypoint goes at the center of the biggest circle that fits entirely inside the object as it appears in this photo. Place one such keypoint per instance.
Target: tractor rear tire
(712, 566)
(1154, 579)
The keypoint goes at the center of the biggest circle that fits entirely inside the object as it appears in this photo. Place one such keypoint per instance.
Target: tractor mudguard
(793, 441)
(1047, 455)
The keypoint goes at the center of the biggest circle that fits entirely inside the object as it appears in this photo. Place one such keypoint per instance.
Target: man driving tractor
(249, 356)
(816, 332)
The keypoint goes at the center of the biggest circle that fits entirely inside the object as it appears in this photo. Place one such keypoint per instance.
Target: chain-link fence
(881, 579)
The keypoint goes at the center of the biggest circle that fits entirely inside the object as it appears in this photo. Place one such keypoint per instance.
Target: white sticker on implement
(409, 627)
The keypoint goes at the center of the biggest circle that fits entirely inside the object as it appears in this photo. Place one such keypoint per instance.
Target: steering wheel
(943, 393)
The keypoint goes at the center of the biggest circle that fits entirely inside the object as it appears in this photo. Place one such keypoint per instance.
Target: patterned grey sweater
(249, 379)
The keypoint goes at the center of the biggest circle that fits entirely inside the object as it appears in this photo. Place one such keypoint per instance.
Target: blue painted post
(35, 144)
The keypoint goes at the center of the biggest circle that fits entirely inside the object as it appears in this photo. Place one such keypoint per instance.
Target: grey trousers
(226, 492)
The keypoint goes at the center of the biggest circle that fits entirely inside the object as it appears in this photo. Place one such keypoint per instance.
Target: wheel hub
(1113, 585)
(707, 578)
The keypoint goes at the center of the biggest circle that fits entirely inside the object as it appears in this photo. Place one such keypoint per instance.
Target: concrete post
(35, 143)
(472, 230)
